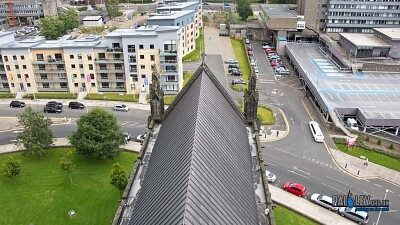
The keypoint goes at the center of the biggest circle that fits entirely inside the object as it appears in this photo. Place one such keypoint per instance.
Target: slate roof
(200, 169)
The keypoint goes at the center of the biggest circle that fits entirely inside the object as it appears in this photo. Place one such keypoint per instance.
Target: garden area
(53, 95)
(195, 54)
(113, 97)
(285, 216)
(43, 194)
(241, 56)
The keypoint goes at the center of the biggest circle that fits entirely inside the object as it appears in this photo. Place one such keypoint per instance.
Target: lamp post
(384, 198)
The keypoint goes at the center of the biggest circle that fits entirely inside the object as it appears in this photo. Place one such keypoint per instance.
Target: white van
(316, 131)
(352, 123)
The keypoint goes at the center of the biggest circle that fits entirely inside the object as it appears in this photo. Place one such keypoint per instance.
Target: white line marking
(271, 164)
(373, 196)
(333, 188)
(13, 140)
(298, 174)
(338, 181)
(294, 167)
(392, 210)
(124, 123)
(367, 180)
(142, 125)
(378, 185)
(306, 168)
(273, 157)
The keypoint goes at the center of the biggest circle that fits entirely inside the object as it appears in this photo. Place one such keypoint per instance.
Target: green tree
(98, 135)
(37, 137)
(71, 19)
(112, 8)
(244, 9)
(118, 177)
(66, 164)
(11, 168)
(52, 27)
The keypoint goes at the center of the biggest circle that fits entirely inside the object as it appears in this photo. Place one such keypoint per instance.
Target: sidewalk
(58, 142)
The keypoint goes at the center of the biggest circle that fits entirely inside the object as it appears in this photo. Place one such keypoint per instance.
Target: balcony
(50, 79)
(49, 71)
(105, 60)
(114, 50)
(53, 89)
(169, 72)
(49, 61)
(169, 52)
(169, 62)
(2, 72)
(111, 89)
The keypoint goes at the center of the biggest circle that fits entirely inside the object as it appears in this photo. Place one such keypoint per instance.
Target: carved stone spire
(156, 96)
(251, 100)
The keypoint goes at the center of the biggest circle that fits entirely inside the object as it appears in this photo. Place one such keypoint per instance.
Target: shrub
(6, 95)
(113, 97)
(239, 87)
(379, 142)
(367, 138)
(391, 146)
(52, 95)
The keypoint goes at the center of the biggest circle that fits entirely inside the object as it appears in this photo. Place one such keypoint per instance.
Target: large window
(132, 58)
(131, 48)
(134, 77)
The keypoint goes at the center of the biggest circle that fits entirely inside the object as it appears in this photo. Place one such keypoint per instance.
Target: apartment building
(119, 62)
(26, 12)
(361, 16)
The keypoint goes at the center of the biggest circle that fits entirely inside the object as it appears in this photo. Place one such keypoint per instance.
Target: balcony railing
(169, 61)
(49, 61)
(49, 71)
(114, 49)
(106, 60)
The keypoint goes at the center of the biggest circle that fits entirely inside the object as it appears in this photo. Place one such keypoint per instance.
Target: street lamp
(384, 198)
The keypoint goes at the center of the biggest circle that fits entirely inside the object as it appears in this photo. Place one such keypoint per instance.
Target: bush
(52, 95)
(84, 8)
(379, 142)
(391, 146)
(92, 30)
(239, 87)
(6, 95)
(367, 138)
(113, 97)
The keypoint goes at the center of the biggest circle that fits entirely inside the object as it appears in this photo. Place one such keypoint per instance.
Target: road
(297, 158)
(133, 121)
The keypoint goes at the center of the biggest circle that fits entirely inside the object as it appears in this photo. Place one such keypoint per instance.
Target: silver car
(360, 217)
(121, 107)
(324, 201)
(270, 176)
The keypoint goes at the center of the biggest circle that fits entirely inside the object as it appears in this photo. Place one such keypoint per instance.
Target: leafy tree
(112, 8)
(12, 168)
(37, 137)
(52, 27)
(66, 164)
(71, 19)
(98, 135)
(118, 177)
(244, 9)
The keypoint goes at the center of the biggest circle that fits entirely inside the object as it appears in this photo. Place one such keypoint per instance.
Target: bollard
(358, 173)
(345, 166)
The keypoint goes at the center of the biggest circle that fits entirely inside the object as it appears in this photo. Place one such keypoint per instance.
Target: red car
(250, 53)
(269, 51)
(295, 188)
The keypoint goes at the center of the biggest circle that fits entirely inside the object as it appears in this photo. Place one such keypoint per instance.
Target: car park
(238, 81)
(324, 201)
(352, 213)
(52, 109)
(141, 137)
(76, 105)
(18, 104)
(121, 107)
(54, 104)
(231, 61)
(270, 176)
(295, 188)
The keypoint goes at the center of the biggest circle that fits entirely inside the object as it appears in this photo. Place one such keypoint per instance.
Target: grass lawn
(113, 97)
(241, 56)
(239, 87)
(53, 95)
(168, 99)
(236, 14)
(375, 157)
(195, 54)
(265, 115)
(42, 193)
(284, 216)
(186, 77)
(6, 95)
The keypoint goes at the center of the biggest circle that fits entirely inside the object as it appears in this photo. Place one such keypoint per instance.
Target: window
(80, 66)
(28, 84)
(46, 85)
(24, 67)
(16, 67)
(151, 46)
(8, 67)
(90, 66)
(89, 57)
(26, 76)
(73, 66)
(76, 85)
(93, 84)
(82, 76)
(22, 57)
(134, 77)
(141, 56)
(19, 76)
(63, 85)
(102, 55)
(6, 58)
(14, 57)
(131, 48)
(71, 56)
(143, 76)
(152, 58)
(92, 76)
(142, 67)
(79, 56)
(133, 68)
(132, 58)
(171, 78)
(12, 85)
(104, 85)
(140, 46)
(43, 76)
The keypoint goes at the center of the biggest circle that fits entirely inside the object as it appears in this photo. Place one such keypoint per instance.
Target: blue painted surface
(282, 39)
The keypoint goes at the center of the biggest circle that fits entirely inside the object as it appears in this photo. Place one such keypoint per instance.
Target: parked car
(18, 104)
(250, 52)
(274, 62)
(295, 188)
(251, 57)
(227, 4)
(238, 81)
(267, 51)
(206, 3)
(249, 47)
(121, 107)
(54, 104)
(233, 66)
(324, 201)
(256, 71)
(76, 105)
(231, 61)
(270, 176)
(252, 62)
(236, 72)
(140, 137)
(247, 41)
(128, 136)
(52, 109)
(360, 217)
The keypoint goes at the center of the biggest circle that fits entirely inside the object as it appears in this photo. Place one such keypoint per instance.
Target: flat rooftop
(169, 15)
(374, 96)
(364, 40)
(149, 30)
(177, 5)
(25, 43)
(393, 33)
(92, 18)
(65, 42)
(279, 10)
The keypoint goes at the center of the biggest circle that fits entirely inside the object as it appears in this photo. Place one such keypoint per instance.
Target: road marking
(373, 196)
(392, 210)
(298, 174)
(367, 180)
(124, 123)
(142, 125)
(273, 157)
(134, 124)
(305, 107)
(269, 163)
(294, 167)
(338, 181)
(378, 185)
(306, 168)
(334, 188)
(13, 140)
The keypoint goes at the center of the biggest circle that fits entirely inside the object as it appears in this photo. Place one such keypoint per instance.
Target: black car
(232, 69)
(52, 109)
(55, 104)
(238, 81)
(233, 66)
(17, 104)
(236, 72)
(76, 105)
